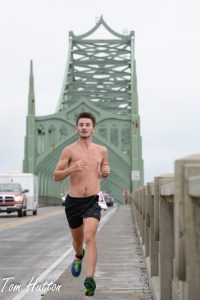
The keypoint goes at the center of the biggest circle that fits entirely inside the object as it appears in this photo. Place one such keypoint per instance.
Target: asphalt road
(34, 250)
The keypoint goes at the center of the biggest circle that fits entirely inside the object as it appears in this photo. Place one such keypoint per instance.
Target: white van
(29, 184)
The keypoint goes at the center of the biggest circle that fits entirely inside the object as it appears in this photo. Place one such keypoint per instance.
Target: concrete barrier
(167, 214)
(49, 201)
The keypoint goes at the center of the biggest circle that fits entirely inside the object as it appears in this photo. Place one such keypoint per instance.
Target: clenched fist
(105, 171)
(78, 165)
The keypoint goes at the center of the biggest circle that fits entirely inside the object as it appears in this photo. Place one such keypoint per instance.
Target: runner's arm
(62, 170)
(105, 169)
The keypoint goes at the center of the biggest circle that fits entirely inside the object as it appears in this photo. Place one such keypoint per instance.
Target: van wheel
(35, 212)
(25, 213)
(20, 213)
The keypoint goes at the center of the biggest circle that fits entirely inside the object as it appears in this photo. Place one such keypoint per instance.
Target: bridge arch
(100, 77)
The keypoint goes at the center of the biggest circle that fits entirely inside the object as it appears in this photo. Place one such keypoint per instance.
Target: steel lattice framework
(101, 72)
(100, 77)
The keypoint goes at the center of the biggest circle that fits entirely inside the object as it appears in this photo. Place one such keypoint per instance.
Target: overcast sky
(168, 69)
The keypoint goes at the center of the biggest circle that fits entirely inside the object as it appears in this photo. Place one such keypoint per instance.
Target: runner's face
(85, 128)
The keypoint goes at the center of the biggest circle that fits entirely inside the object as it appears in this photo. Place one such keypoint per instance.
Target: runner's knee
(89, 238)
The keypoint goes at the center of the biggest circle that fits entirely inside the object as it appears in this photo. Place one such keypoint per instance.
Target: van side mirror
(25, 191)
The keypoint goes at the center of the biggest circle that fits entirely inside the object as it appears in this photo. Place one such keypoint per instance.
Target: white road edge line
(58, 261)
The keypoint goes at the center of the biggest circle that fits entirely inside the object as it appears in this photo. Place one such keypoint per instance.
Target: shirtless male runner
(85, 163)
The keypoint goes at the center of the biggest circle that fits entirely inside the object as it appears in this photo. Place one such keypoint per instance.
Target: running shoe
(90, 286)
(77, 265)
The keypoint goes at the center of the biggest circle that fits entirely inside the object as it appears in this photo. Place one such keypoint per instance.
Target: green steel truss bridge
(100, 77)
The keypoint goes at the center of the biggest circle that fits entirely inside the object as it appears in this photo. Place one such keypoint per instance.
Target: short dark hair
(86, 115)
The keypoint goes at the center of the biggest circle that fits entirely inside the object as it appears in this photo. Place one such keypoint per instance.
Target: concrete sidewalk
(120, 272)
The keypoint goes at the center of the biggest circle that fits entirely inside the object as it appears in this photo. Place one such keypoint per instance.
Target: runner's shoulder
(101, 148)
(68, 149)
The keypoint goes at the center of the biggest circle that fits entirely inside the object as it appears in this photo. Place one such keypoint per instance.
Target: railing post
(166, 234)
(153, 243)
(141, 225)
(187, 228)
(135, 207)
(146, 221)
(165, 289)
(180, 194)
(192, 230)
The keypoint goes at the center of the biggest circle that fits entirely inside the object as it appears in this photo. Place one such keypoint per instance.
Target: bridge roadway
(120, 272)
(37, 249)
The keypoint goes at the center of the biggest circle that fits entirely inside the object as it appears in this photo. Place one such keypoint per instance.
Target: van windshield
(9, 187)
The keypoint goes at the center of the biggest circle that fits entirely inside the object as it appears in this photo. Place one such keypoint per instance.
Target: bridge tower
(100, 77)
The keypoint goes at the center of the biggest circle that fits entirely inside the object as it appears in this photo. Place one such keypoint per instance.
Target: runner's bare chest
(91, 158)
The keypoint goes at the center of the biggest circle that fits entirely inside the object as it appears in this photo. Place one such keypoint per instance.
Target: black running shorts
(78, 208)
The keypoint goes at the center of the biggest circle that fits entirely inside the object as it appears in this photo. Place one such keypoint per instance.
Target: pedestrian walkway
(120, 272)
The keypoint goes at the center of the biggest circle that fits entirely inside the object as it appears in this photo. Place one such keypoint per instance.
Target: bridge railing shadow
(167, 215)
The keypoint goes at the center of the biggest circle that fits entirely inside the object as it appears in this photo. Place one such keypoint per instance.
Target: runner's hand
(78, 165)
(105, 170)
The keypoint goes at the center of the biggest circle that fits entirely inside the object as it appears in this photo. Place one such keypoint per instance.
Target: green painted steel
(100, 77)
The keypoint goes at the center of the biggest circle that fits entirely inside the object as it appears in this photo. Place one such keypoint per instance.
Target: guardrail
(49, 201)
(167, 215)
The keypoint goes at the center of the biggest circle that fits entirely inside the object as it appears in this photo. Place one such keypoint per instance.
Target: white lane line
(62, 257)
(107, 217)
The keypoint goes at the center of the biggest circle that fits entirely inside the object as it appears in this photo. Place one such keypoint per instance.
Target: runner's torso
(87, 181)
